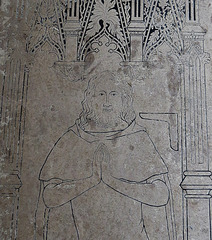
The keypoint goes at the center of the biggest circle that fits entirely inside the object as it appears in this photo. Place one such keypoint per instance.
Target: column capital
(137, 27)
(197, 184)
(193, 32)
(72, 27)
(195, 51)
(10, 183)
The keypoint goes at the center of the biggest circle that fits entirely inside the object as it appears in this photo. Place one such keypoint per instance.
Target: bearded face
(107, 105)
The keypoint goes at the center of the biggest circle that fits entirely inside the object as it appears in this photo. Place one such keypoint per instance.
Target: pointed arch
(95, 25)
(163, 23)
(87, 48)
(48, 28)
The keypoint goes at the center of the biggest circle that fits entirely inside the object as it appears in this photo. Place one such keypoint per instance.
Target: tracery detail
(163, 24)
(104, 18)
(47, 27)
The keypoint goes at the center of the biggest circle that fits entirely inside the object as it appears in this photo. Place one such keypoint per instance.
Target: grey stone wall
(105, 117)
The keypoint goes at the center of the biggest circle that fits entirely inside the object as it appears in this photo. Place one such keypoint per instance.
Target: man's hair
(123, 82)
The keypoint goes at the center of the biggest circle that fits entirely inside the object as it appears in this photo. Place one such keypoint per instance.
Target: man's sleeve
(65, 160)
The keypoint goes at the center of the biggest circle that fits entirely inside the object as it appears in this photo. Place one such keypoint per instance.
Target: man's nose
(107, 101)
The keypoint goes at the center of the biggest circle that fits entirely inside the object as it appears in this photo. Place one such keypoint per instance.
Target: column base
(197, 186)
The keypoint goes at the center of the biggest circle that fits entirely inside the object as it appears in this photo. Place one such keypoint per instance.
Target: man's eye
(101, 94)
(113, 94)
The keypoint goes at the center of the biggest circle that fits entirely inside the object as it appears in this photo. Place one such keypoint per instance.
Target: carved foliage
(47, 27)
(104, 18)
(109, 18)
(163, 25)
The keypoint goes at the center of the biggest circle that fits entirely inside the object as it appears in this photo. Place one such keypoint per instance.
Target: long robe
(101, 212)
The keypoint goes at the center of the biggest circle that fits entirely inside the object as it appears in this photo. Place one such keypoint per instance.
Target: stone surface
(105, 117)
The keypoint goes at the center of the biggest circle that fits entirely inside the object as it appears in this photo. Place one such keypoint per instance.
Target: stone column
(196, 182)
(71, 68)
(72, 28)
(136, 29)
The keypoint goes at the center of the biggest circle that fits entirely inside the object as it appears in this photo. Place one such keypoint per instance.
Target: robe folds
(102, 211)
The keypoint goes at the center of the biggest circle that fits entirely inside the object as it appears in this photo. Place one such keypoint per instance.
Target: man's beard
(108, 120)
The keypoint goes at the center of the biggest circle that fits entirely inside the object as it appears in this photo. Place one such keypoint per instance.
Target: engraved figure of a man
(106, 172)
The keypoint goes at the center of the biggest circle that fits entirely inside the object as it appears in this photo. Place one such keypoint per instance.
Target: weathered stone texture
(105, 119)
